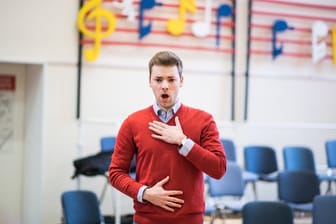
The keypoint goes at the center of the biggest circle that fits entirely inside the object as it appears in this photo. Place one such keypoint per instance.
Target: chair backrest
(107, 143)
(231, 184)
(324, 209)
(230, 149)
(298, 158)
(260, 159)
(262, 212)
(330, 147)
(298, 186)
(80, 207)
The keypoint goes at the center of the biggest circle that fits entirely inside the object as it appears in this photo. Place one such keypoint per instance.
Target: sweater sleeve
(121, 161)
(209, 155)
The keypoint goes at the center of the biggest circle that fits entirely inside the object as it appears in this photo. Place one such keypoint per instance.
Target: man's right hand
(160, 197)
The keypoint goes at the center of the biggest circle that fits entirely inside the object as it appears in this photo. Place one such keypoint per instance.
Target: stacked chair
(324, 209)
(261, 162)
(267, 212)
(80, 206)
(298, 185)
(330, 149)
(230, 150)
(302, 158)
(298, 189)
(226, 194)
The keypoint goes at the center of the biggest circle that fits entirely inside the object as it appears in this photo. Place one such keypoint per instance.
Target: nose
(164, 84)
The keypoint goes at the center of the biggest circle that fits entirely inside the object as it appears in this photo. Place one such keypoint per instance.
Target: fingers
(171, 203)
(170, 206)
(177, 122)
(157, 127)
(166, 199)
(163, 181)
(157, 124)
(176, 193)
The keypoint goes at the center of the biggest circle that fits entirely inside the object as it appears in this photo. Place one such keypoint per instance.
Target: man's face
(165, 83)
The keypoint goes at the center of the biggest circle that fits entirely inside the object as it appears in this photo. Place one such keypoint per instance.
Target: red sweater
(156, 159)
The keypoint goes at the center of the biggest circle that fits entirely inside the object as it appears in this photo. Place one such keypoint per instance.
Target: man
(173, 145)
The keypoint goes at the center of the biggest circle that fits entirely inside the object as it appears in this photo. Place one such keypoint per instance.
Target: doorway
(21, 151)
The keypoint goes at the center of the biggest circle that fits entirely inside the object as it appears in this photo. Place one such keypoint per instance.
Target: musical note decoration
(93, 11)
(176, 26)
(278, 26)
(127, 8)
(146, 5)
(224, 10)
(202, 28)
(319, 44)
(333, 42)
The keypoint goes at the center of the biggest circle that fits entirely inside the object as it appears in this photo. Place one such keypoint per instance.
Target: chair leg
(215, 214)
(102, 195)
(329, 190)
(254, 188)
(213, 217)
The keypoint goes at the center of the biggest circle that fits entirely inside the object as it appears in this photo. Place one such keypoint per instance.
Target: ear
(181, 80)
(149, 83)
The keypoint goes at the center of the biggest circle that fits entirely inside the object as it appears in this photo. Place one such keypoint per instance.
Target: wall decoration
(110, 27)
(299, 29)
(299, 32)
(7, 89)
(184, 24)
(93, 11)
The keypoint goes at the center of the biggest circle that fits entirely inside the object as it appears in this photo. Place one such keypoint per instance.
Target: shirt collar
(174, 108)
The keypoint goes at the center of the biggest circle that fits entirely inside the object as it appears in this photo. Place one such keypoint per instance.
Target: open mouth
(164, 96)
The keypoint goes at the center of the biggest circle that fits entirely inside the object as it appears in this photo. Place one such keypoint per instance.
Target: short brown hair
(166, 58)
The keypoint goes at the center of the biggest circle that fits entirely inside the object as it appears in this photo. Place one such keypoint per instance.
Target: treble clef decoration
(93, 11)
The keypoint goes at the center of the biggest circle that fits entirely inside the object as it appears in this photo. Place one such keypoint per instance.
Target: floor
(238, 220)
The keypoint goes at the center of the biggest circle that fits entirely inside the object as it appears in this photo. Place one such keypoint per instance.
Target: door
(12, 109)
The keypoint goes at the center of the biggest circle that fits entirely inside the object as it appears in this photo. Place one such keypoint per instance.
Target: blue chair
(261, 161)
(230, 186)
(298, 189)
(230, 149)
(298, 158)
(107, 143)
(324, 209)
(330, 147)
(302, 158)
(80, 207)
(267, 212)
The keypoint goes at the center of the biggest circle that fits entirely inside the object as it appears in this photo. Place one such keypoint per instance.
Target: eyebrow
(161, 76)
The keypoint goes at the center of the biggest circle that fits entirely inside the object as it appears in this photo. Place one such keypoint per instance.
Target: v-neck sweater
(156, 160)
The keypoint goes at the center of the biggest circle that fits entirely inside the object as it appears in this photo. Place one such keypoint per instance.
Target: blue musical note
(278, 26)
(145, 4)
(224, 10)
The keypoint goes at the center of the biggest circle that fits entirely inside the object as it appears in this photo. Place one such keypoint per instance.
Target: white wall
(283, 110)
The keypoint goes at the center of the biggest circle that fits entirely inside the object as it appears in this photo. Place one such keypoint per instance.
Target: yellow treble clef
(93, 10)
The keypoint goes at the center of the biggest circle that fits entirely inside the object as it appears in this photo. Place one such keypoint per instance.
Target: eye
(172, 80)
(158, 80)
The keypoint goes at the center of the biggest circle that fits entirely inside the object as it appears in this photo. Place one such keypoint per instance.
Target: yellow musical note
(333, 43)
(176, 26)
(93, 10)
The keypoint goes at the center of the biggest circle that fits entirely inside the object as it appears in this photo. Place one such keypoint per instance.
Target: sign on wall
(7, 89)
